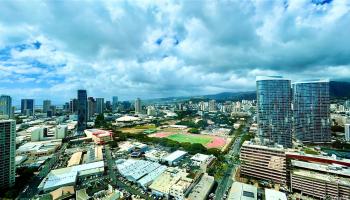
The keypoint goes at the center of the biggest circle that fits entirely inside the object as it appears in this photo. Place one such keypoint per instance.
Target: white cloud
(169, 48)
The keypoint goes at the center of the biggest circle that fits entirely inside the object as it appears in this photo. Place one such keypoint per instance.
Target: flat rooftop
(75, 159)
(67, 176)
(202, 189)
(322, 176)
(334, 169)
(274, 195)
(175, 155)
(242, 191)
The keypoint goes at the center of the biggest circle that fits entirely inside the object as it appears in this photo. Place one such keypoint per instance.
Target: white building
(68, 176)
(201, 159)
(274, 195)
(347, 132)
(39, 134)
(141, 172)
(61, 131)
(172, 158)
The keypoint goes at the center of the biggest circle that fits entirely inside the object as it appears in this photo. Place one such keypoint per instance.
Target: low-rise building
(75, 159)
(140, 171)
(242, 191)
(163, 184)
(202, 159)
(156, 155)
(274, 195)
(41, 148)
(68, 176)
(61, 131)
(174, 157)
(99, 136)
(202, 189)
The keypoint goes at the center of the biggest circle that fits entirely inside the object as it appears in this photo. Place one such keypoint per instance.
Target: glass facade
(7, 153)
(6, 106)
(27, 107)
(274, 113)
(82, 110)
(311, 108)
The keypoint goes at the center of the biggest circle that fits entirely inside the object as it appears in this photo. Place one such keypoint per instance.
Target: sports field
(190, 138)
(206, 140)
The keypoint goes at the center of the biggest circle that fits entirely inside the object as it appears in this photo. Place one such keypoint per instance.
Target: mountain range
(337, 89)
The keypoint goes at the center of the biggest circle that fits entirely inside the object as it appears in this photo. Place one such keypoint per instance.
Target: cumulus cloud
(154, 49)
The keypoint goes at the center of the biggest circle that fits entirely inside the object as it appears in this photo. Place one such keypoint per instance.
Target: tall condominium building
(212, 106)
(7, 153)
(274, 113)
(311, 108)
(347, 132)
(114, 103)
(27, 107)
(108, 105)
(73, 105)
(82, 110)
(100, 105)
(138, 108)
(264, 162)
(6, 106)
(46, 105)
(91, 107)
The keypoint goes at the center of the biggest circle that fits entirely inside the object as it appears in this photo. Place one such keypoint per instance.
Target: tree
(194, 130)
(100, 121)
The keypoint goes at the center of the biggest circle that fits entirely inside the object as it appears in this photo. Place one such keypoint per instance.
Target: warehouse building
(68, 176)
(140, 171)
(174, 157)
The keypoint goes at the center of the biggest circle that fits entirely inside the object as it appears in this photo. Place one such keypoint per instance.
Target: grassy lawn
(189, 138)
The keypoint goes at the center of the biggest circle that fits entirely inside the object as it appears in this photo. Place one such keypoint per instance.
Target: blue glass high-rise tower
(82, 110)
(311, 108)
(27, 107)
(274, 112)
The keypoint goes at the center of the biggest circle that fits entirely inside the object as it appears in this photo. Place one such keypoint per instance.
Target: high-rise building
(274, 111)
(311, 110)
(46, 105)
(91, 107)
(7, 153)
(73, 105)
(212, 106)
(82, 110)
(138, 108)
(6, 106)
(347, 132)
(114, 103)
(27, 107)
(108, 105)
(100, 105)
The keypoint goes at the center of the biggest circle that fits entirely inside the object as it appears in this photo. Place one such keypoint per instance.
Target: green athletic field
(190, 138)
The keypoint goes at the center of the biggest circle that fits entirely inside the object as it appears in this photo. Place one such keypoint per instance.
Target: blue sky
(150, 49)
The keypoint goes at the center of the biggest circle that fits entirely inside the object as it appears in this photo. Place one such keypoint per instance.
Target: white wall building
(347, 132)
(61, 131)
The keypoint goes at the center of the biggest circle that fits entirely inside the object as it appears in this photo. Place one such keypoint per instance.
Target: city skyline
(155, 49)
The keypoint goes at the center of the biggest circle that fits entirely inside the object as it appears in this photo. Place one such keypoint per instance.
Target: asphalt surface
(227, 181)
(112, 169)
(32, 187)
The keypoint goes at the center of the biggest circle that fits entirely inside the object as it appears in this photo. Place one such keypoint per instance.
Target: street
(227, 181)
